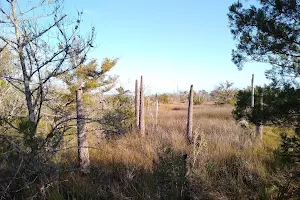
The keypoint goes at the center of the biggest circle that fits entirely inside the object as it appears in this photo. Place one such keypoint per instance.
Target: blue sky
(169, 42)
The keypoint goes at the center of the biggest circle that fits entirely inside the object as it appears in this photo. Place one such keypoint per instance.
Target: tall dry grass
(224, 162)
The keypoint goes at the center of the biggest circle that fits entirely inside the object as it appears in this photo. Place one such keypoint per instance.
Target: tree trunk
(142, 111)
(137, 103)
(189, 128)
(26, 79)
(83, 152)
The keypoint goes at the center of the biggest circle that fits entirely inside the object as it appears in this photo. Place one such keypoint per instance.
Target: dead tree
(189, 127)
(36, 60)
(137, 103)
(83, 152)
(142, 109)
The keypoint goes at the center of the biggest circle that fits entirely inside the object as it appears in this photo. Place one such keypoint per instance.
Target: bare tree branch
(43, 32)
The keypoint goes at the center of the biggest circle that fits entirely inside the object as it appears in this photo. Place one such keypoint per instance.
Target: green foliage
(290, 148)
(163, 98)
(87, 76)
(270, 34)
(2, 83)
(281, 106)
(243, 105)
(25, 159)
(120, 118)
(28, 128)
(267, 33)
(90, 76)
(231, 101)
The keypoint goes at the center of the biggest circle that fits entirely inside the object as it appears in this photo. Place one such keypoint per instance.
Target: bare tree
(39, 38)
(42, 51)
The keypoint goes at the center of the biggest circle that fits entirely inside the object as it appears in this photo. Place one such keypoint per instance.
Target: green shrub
(163, 98)
(290, 148)
(280, 109)
(119, 119)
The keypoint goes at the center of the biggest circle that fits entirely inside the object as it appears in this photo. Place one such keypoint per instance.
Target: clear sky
(169, 42)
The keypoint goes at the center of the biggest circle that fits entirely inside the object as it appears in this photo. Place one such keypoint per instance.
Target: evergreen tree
(270, 33)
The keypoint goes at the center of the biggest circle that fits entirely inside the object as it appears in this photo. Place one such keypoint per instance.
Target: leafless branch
(43, 32)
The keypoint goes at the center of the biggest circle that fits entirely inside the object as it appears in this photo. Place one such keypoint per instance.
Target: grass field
(225, 160)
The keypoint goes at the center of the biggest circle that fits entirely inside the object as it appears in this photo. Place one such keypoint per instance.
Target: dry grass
(225, 161)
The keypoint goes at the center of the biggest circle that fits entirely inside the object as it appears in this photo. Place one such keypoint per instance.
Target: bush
(119, 119)
(163, 98)
(280, 109)
(198, 100)
(290, 148)
(224, 93)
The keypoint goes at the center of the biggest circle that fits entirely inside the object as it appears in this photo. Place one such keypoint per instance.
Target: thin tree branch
(43, 32)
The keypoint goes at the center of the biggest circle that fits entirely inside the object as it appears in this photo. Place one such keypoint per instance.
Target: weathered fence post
(83, 151)
(142, 111)
(189, 127)
(156, 110)
(137, 103)
(259, 126)
(252, 91)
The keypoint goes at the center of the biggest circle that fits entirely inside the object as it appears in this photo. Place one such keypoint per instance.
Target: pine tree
(270, 33)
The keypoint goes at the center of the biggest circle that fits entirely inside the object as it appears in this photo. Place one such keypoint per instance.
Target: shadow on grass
(167, 180)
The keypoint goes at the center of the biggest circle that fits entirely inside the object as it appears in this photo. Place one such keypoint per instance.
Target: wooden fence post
(137, 103)
(142, 111)
(189, 128)
(252, 91)
(156, 110)
(259, 126)
(83, 151)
